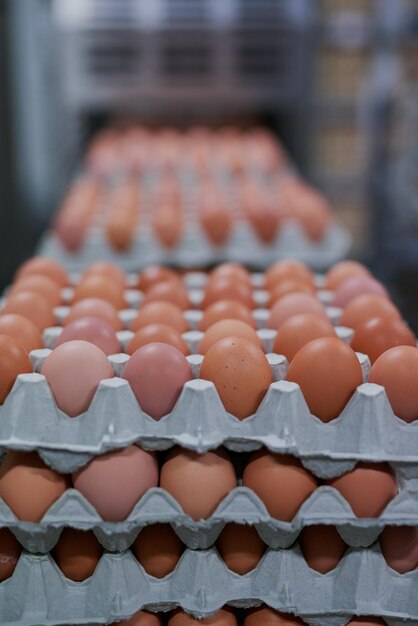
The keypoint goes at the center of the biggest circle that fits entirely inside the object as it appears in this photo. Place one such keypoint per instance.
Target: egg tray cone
(366, 430)
(362, 584)
(241, 505)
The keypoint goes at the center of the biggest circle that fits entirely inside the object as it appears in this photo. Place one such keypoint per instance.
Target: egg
(73, 371)
(399, 546)
(160, 312)
(322, 547)
(294, 304)
(109, 270)
(233, 271)
(14, 360)
(77, 553)
(10, 550)
(264, 221)
(28, 486)
(157, 333)
(283, 270)
(23, 330)
(120, 230)
(46, 267)
(290, 285)
(240, 547)
(169, 291)
(226, 288)
(240, 372)
(93, 330)
(94, 307)
(397, 371)
(226, 309)
(155, 274)
(98, 286)
(227, 328)
(280, 482)
(38, 283)
(114, 482)
(377, 335)
(71, 228)
(265, 616)
(143, 618)
(158, 549)
(299, 330)
(224, 617)
(157, 373)
(342, 271)
(216, 222)
(31, 305)
(199, 482)
(168, 225)
(357, 286)
(366, 307)
(315, 217)
(368, 488)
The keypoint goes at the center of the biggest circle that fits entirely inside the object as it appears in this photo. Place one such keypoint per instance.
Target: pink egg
(294, 304)
(357, 286)
(73, 371)
(157, 373)
(114, 482)
(93, 330)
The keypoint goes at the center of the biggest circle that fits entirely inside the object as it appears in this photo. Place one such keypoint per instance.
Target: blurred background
(335, 79)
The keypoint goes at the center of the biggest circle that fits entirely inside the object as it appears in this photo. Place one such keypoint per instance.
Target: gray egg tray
(325, 506)
(38, 594)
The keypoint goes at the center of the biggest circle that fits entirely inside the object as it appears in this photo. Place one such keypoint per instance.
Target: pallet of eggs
(201, 440)
(192, 199)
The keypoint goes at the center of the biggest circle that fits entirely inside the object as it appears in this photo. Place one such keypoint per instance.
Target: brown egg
(328, 372)
(228, 328)
(232, 271)
(315, 217)
(155, 274)
(343, 270)
(224, 617)
(28, 486)
(280, 482)
(240, 372)
(368, 488)
(365, 307)
(38, 283)
(109, 270)
(283, 270)
(265, 616)
(168, 291)
(46, 267)
(100, 286)
(299, 330)
(198, 481)
(377, 335)
(31, 305)
(23, 330)
(160, 312)
(290, 285)
(265, 222)
(143, 618)
(168, 225)
(397, 371)
(240, 547)
(14, 360)
(216, 222)
(226, 309)
(158, 549)
(160, 333)
(226, 288)
(294, 304)
(322, 547)
(10, 550)
(399, 545)
(94, 307)
(77, 553)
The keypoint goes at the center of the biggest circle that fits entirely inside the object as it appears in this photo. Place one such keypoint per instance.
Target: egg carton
(38, 594)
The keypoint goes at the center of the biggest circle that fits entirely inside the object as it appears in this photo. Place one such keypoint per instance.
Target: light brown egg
(228, 328)
(31, 305)
(28, 486)
(216, 222)
(224, 617)
(120, 230)
(265, 616)
(168, 291)
(240, 372)
(77, 553)
(38, 283)
(280, 482)
(227, 288)
(240, 547)
(158, 549)
(368, 488)
(283, 270)
(100, 286)
(226, 309)
(379, 334)
(46, 267)
(155, 274)
(14, 360)
(157, 333)
(322, 547)
(168, 225)
(143, 618)
(366, 307)
(107, 269)
(399, 545)
(328, 372)
(299, 330)
(294, 304)
(343, 270)
(160, 312)
(357, 286)
(232, 271)
(199, 482)
(10, 550)
(94, 307)
(265, 222)
(290, 285)
(23, 330)
(397, 371)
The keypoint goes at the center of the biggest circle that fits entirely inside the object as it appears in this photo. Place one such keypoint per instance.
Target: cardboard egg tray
(38, 594)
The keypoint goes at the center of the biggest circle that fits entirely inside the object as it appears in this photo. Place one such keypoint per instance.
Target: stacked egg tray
(367, 430)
